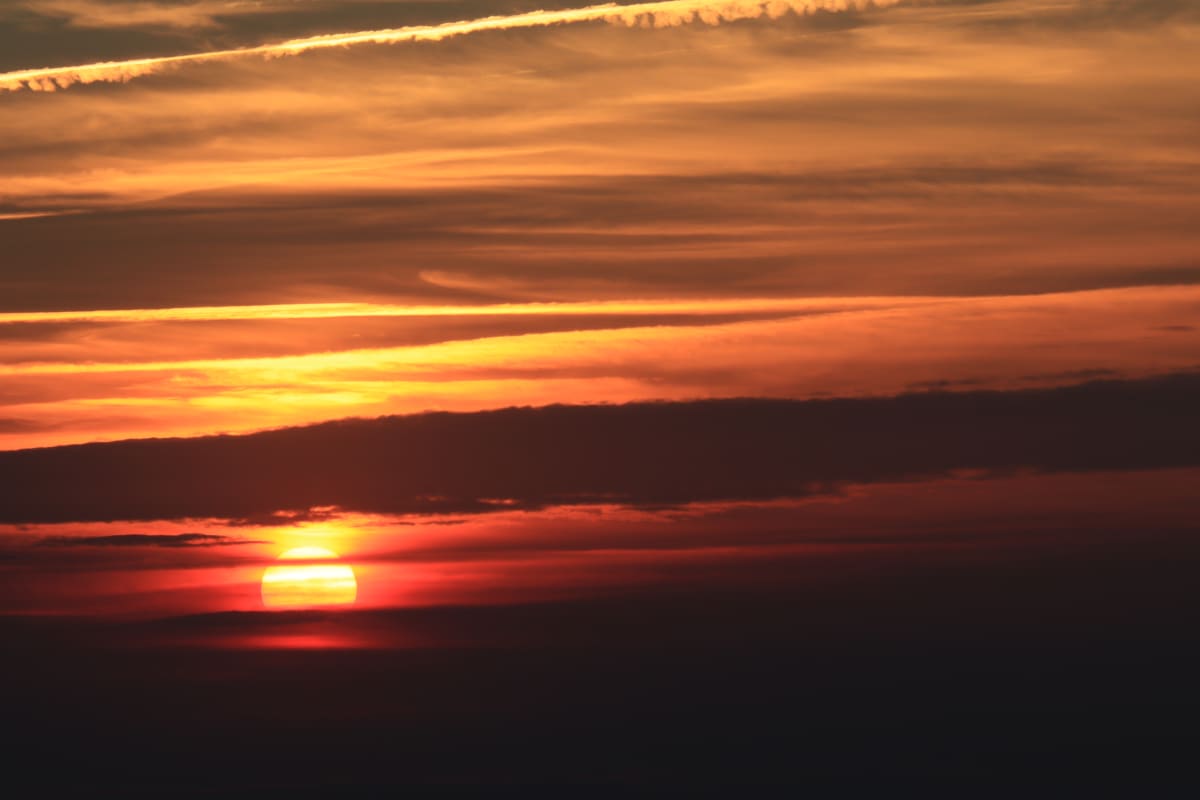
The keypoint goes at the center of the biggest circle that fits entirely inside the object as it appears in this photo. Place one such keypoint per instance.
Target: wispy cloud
(352, 310)
(30, 215)
(144, 13)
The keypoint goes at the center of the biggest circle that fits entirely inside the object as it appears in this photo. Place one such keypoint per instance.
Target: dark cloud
(146, 540)
(945, 384)
(274, 518)
(1070, 375)
(34, 34)
(13, 425)
(643, 453)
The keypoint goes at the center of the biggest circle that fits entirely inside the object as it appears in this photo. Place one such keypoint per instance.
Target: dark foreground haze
(1075, 663)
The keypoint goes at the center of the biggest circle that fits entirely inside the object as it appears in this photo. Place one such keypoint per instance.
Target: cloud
(147, 540)
(30, 215)
(628, 308)
(643, 453)
(663, 14)
(186, 14)
(588, 161)
(135, 13)
(809, 231)
(280, 518)
(14, 425)
(1075, 17)
(916, 152)
(118, 380)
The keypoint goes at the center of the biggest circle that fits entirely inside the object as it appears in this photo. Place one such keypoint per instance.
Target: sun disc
(316, 582)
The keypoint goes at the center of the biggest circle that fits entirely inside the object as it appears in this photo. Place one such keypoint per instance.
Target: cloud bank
(649, 454)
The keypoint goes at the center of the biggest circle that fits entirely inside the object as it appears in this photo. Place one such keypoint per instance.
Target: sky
(756, 341)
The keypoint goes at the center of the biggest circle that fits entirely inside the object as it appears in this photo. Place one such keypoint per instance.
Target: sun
(313, 581)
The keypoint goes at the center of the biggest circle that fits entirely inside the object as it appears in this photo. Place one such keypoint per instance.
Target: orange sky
(944, 148)
(103, 380)
(680, 392)
(476, 204)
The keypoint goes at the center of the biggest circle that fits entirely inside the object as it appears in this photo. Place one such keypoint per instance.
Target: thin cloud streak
(33, 215)
(147, 540)
(346, 310)
(668, 13)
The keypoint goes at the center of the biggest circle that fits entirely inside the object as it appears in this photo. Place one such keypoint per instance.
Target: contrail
(663, 14)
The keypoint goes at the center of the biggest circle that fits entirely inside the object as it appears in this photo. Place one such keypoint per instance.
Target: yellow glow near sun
(315, 582)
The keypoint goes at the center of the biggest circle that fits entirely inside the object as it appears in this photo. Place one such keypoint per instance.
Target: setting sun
(311, 582)
(664, 393)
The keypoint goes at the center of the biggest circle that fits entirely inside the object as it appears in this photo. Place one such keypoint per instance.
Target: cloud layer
(642, 454)
(950, 149)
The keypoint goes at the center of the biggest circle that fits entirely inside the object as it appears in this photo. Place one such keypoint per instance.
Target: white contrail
(657, 14)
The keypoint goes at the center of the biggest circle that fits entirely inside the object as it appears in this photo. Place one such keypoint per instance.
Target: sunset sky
(449, 357)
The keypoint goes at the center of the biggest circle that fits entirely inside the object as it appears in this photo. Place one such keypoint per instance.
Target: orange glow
(522, 557)
(111, 384)
(310, 584)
